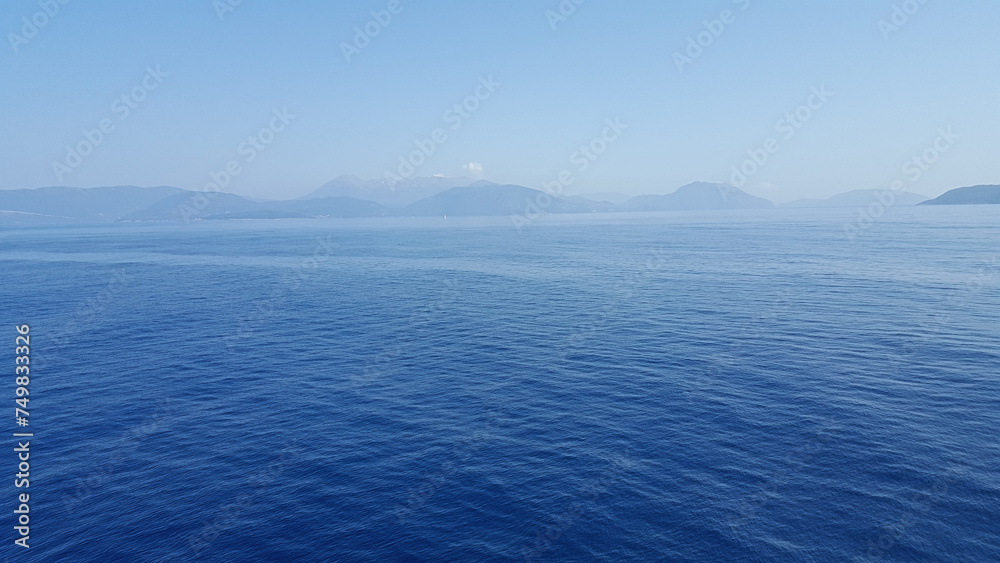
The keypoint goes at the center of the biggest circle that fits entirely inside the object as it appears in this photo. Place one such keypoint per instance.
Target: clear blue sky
(557, 88)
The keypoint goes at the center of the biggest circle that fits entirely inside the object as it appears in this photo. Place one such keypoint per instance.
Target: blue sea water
(747, 386)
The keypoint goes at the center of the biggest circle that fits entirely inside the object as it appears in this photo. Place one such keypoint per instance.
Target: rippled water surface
(735, 387)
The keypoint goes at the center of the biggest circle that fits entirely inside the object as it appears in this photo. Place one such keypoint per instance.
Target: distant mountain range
(856, 198)
(350, 196)
(389, 193)
(699, 196)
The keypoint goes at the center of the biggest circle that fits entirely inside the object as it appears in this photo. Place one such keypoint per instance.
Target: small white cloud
(474, 169)
(439, 175)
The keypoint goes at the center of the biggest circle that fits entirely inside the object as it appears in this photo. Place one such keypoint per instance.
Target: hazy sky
(555, 82)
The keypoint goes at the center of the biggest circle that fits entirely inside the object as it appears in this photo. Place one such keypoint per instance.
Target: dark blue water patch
(698, 390)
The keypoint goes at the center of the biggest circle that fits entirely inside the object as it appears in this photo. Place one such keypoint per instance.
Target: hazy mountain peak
(702, 187)
(698, 196)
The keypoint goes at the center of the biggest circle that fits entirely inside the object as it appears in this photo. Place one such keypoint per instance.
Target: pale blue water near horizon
(742, 386)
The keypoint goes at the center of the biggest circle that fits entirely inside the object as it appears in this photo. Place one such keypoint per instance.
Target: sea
(751, 386)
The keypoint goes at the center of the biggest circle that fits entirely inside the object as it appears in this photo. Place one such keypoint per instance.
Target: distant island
(972, 195)
(352, 197)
